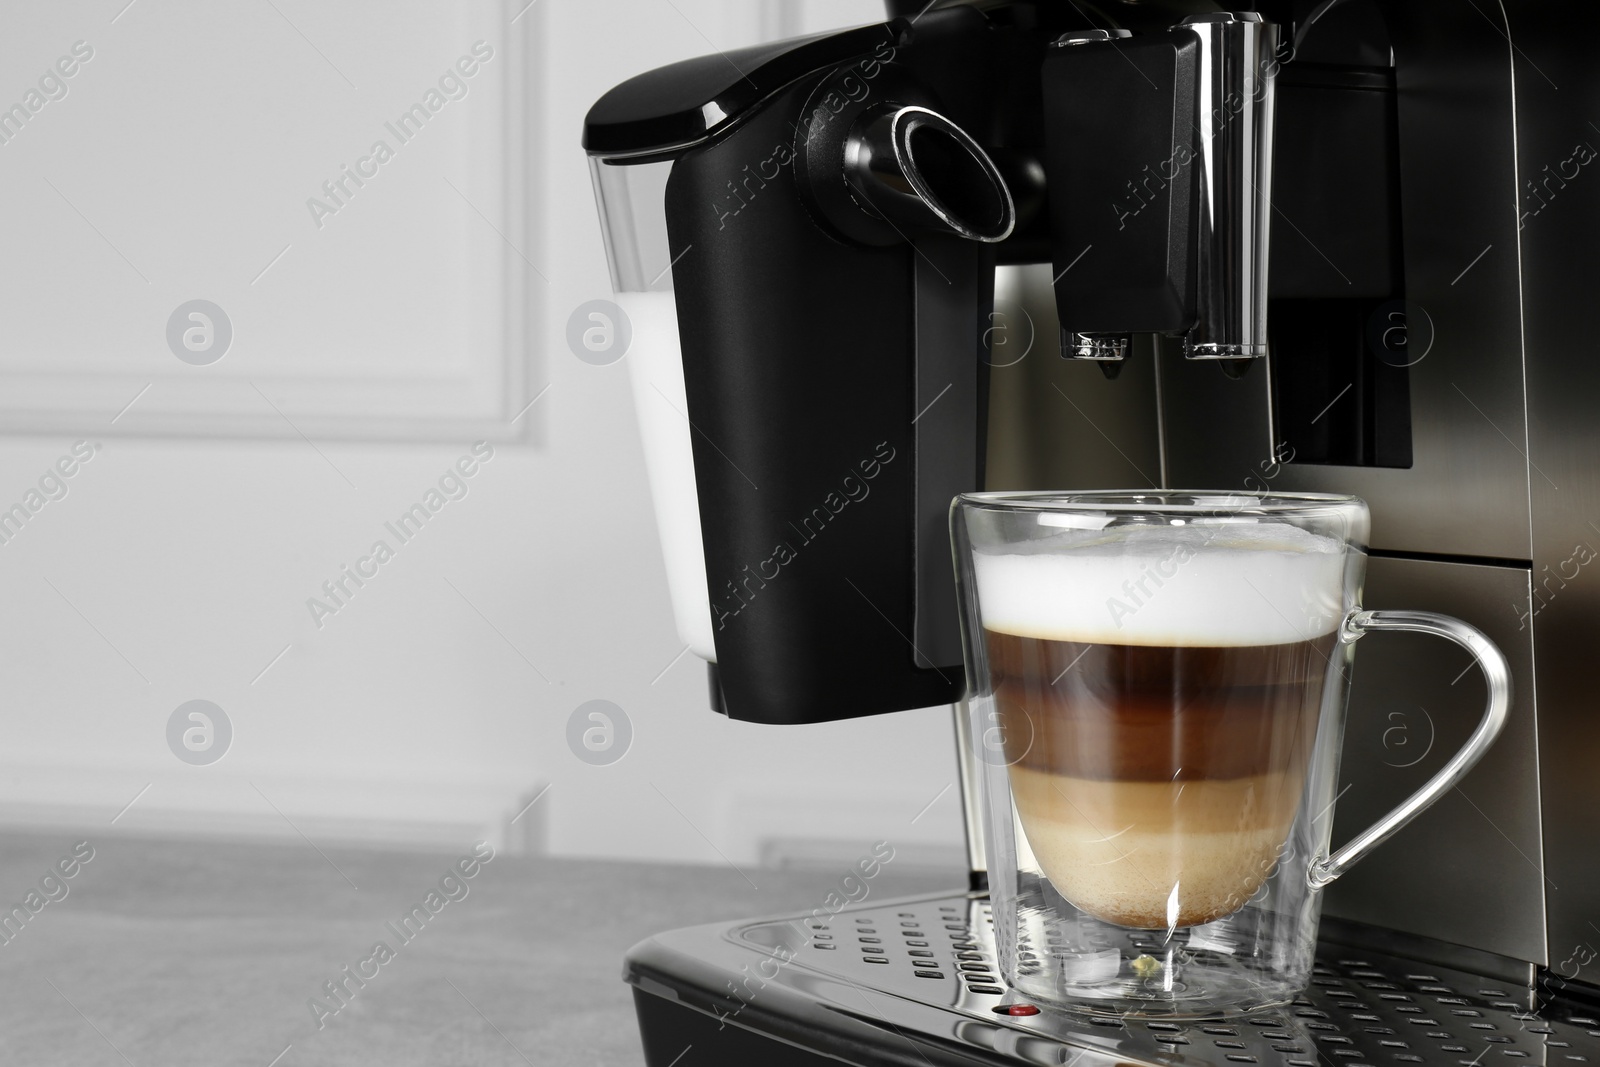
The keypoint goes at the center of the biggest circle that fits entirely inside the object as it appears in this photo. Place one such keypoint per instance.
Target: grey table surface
(199, 952)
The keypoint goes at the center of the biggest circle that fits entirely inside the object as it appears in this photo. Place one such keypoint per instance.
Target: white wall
(177, 569)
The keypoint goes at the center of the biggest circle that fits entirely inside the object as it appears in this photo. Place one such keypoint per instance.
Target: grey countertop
(196, 952)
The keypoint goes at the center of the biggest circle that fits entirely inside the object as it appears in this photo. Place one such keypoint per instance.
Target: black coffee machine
(1331, 245)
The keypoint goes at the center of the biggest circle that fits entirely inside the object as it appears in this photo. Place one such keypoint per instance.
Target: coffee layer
(1146, 713)
(1155, 855)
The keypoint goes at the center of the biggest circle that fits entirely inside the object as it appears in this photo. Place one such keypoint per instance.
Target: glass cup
(1157, 686)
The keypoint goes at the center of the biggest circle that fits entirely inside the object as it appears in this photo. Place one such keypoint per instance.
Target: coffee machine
(1324, 245)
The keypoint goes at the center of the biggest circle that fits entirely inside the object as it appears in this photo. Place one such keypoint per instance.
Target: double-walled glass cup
(1157, 686)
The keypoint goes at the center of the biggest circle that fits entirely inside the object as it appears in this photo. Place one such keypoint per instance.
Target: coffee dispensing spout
(1160, 201)
(1106, 351)
(1233, 119)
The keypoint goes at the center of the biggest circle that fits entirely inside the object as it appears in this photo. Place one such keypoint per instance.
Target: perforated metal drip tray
(922, 973)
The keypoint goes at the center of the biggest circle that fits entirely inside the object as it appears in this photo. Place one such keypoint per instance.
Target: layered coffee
(1158, 692)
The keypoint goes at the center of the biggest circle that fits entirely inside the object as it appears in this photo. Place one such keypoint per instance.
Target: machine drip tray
(915, 982)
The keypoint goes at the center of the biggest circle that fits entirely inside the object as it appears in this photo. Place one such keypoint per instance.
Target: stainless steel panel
(1216, 429)
(1557, 84)
(1469, 869)
(1467, 491)
(1059, 423)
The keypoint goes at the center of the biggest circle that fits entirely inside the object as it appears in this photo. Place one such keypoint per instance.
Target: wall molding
(387, 813)
(123, 382)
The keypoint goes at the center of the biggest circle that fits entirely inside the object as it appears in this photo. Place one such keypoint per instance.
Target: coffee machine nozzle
(1234, 126)
(1106, 351)
(1186, 172)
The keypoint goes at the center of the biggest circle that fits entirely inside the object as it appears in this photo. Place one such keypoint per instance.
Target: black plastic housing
(823, 472)
(1340, 327)
(1120, 144)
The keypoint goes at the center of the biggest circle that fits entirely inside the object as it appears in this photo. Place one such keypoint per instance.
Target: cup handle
(1495, 672)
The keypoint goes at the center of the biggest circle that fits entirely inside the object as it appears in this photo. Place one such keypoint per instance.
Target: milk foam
(1213, 586)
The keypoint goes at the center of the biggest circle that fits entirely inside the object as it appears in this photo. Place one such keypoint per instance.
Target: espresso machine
(1320, 245)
